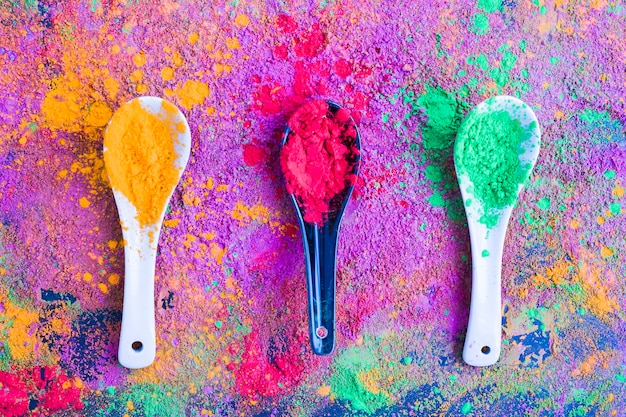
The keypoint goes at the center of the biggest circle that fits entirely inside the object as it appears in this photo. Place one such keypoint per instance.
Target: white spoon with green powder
(496, 148)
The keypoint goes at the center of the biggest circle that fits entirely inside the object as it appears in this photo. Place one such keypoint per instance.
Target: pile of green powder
(444, 117)
(487, 149)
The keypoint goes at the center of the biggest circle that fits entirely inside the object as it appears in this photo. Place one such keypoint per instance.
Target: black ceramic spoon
(320, 250)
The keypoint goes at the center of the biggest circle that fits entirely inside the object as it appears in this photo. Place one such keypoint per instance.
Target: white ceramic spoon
(484, 330)
(137, 346)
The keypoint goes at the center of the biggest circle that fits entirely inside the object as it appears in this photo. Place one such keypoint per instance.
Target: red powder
(280, 51)
(257, 375)
(318, 158)
(342, 68)
(268, 99)
(13, 395)
(50, 387)
(253, 155)
(286, 23)
(60, 393)
(301, 80)
(310, 43)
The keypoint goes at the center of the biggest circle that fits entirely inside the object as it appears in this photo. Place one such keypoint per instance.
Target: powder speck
(544, 203)
(481, 24)
(192, 93)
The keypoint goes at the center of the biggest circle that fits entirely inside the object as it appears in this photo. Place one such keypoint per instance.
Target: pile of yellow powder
(140, 157)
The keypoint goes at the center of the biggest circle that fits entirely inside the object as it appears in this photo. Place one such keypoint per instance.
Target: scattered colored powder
(616, 208)
(487, 151)
(466, 408)
(192, 93)
(544, 203)
(444, 118)
(489, 6)
(346, 383)
(485, 253)
(319, 157)
(436, 200)
(139, 157)
(481, 24)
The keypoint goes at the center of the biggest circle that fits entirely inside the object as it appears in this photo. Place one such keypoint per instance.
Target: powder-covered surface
(488, 148)
(231, 297)
(318, 158)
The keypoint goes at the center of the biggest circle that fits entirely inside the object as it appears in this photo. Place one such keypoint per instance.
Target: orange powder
(140, 156)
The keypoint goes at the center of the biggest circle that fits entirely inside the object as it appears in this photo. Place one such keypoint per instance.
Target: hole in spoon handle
(321, 288)
(137, 346)
(484, 330)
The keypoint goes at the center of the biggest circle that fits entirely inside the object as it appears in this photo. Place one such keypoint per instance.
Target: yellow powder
(84, 203)
(114, 279)
(139, 59)
(140, 158)
(18, 324)
(171, 222)
(606, 252)
(177, 60)
(98, 114)
(242, 20)
(193, 37)
(233, 43)
(167, 73)
(192, 93)
(137, 75)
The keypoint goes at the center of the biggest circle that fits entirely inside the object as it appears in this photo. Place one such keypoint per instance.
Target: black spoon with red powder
(320, 159)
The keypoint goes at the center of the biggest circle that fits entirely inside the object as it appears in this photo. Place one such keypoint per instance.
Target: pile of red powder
(318, 158)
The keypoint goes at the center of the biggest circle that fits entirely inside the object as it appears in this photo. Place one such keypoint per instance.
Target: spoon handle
(484, 330)
(320, 253)
(137, 347)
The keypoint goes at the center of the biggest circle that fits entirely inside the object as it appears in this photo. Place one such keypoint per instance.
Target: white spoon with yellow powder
(146, 148)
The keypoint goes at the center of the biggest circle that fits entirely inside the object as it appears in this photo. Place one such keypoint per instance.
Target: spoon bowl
(137, 345)
(487, 226)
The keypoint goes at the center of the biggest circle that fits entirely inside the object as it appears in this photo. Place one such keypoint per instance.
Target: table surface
(231, 317)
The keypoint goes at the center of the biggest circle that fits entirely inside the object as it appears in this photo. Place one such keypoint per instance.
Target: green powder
(489, 6)
(481, 24)
(482, 62)
(485, 253)
(434, 173)
(487, 151)
(436, 200)
(544, 203)
(466, 408)
(444, 118)
(154, 400)
(616, 208)
(346, 385)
